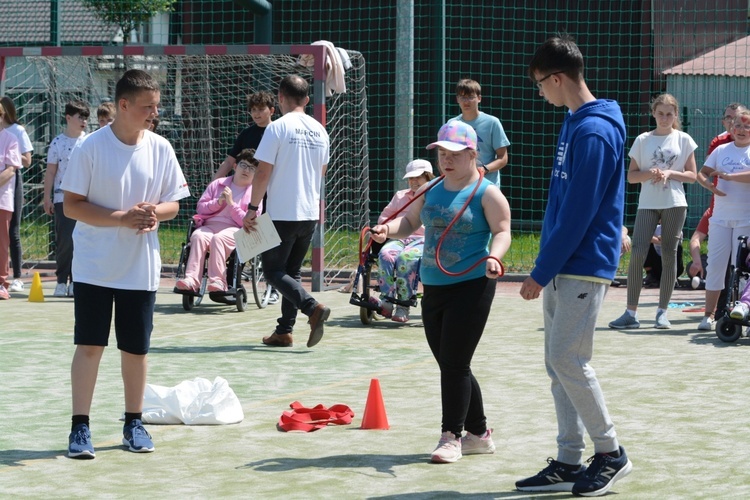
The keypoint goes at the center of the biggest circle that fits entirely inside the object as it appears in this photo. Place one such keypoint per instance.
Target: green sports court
(678, 398)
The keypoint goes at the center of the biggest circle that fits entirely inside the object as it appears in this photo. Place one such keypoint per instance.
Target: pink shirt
(399, 201)
(9, 155)
(209, 207)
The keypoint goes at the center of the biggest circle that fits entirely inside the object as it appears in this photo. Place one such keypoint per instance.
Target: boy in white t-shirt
(121, 182)
(58, 156)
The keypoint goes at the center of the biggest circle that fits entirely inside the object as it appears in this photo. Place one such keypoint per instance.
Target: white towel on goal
(335, 67)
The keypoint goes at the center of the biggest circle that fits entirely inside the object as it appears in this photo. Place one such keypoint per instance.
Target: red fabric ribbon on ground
(300, 418)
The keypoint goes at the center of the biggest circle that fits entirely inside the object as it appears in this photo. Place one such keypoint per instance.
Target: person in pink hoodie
(399, 259)
(220, 211)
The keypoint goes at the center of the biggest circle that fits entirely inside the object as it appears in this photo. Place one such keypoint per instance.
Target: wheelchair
(729, 329)
(236, 294)
(368, 312)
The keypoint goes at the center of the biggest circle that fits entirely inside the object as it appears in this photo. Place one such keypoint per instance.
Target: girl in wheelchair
(219, 214)
(399, 260)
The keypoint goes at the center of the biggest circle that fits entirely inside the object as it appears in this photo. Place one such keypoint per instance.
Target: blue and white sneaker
(136, 438)
(603, 472)
(555, 477)
(79, 443)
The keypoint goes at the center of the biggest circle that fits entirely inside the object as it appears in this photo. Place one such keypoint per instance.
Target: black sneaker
(555, 477)
(602, 474)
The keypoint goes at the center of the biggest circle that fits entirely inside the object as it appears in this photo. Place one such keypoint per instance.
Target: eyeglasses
(466, 98)
(740, 126)
(539, 82)
(247, 166)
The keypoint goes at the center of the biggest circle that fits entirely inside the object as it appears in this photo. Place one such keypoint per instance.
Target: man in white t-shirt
(120, 183)
(293, 156)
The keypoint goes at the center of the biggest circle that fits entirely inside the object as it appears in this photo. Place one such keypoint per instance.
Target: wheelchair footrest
(186, 292)
(227, 297)
(359, 301)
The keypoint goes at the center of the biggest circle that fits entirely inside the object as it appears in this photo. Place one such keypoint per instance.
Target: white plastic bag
(192, 402)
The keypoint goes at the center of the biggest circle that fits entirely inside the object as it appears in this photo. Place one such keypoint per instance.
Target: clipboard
(264, 238)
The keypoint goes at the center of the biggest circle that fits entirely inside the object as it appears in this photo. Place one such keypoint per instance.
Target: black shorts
(134, 317)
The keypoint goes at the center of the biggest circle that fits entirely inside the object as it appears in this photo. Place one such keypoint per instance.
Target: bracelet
(252, 207)
(486, 170)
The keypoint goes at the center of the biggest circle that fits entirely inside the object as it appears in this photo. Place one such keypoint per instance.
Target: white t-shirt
(736, 204)
(24, 143)
(118, 176)
(9, 155)
(666, 152)
(59, 152)
(297, 146)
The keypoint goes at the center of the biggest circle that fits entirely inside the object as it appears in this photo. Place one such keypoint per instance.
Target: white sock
(632, 313)
(658, 310)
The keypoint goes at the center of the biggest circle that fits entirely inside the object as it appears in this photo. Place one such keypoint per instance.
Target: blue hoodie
(581, 233)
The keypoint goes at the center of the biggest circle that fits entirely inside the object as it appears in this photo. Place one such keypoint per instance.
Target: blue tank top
(467, 241)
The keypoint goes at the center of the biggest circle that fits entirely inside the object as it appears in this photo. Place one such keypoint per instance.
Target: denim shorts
(134, 317)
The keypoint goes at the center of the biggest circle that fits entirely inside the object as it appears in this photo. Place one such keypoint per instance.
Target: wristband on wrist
(252, 207)
(486, 170)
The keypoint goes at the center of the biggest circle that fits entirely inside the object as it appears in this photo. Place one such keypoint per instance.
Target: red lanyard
(363, 252)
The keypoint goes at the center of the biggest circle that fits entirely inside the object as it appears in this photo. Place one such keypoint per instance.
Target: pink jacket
(399, 201)
(209, 206)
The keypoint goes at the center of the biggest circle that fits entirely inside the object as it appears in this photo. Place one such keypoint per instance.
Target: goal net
(203, 108)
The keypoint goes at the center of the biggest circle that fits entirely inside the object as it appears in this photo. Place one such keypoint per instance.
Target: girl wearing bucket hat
(457, 298)
(399, 259)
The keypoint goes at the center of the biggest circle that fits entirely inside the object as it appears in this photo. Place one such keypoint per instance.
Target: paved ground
(678, 398)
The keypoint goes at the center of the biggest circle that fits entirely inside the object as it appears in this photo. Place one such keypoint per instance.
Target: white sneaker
(448, 449)
(471, 444)
(707, 323)
(70, 289)
(61, 290)
(16, 286)
(739, 311)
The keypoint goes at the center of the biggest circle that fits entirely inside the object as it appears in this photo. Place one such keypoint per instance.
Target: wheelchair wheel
(188, 301)
(366, 315)
(199, 297)
(241, 299)
(261, 290)
(728, 331)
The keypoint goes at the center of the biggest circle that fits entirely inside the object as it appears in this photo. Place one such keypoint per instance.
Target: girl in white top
(731, 218)
(10, 123)
(661, 161)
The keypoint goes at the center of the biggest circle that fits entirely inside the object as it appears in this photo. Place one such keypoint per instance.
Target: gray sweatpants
(571, 307)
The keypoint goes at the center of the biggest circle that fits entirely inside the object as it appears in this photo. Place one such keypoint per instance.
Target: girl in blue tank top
(455, 307)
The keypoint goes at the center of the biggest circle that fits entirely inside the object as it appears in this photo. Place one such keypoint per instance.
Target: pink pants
(4, 246)
(218, 240)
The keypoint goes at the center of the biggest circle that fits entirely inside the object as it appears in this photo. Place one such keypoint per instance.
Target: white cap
(415, 168)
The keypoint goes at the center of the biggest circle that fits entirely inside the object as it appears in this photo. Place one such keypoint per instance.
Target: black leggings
(454, 317)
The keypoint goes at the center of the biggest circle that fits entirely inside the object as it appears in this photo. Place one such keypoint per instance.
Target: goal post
(204, 107)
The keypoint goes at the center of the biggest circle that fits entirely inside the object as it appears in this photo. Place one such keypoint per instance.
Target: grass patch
(341, 247)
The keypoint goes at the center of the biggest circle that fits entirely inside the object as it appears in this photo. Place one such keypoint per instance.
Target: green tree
(128, 14)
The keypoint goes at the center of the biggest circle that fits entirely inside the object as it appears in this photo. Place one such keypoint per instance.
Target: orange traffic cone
(36, 294)
(374, 416)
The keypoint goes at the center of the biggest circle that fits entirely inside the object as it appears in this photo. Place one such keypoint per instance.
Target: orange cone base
(374, 416)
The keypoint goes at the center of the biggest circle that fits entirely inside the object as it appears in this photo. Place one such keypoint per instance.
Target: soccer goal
(204, 90)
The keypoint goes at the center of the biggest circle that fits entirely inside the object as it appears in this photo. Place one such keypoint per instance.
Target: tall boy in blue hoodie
(578, 256)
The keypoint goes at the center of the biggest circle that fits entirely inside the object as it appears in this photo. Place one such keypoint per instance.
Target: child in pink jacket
(220, 213)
